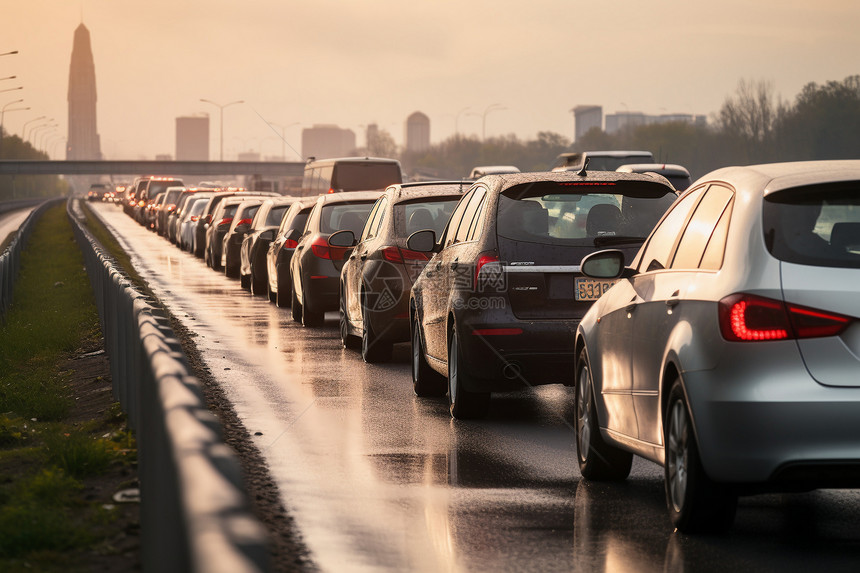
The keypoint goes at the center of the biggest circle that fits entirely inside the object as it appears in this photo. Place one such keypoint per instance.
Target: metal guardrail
(195, 513)
(10, 259)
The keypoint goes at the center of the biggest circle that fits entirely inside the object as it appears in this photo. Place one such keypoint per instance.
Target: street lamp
(283, 137)
(8, 78)
(39, 128)
(36, 127)
(221, 119)
(24, 129)
(3, 113)
(12, 89)
(40, 145)
(9, 53)
(457, 120)
(491, 107)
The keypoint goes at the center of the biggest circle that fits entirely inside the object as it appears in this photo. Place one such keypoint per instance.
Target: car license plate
(591, 289)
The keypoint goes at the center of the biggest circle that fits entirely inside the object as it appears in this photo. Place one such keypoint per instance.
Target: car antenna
(582, 172)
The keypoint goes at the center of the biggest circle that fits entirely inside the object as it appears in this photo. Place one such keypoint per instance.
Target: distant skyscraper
(83, 139)
(192, 138)
(587, 117)
(326, 141)
(417, 132)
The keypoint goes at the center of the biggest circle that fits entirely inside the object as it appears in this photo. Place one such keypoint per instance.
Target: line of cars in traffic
(714, 331)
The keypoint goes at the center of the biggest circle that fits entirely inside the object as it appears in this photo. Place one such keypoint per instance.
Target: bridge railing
(195, 513)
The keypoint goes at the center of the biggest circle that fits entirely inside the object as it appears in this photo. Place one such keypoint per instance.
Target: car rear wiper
(604, 240)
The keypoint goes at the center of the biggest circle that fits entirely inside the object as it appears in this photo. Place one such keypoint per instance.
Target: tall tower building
(417, 135)
(83, 139)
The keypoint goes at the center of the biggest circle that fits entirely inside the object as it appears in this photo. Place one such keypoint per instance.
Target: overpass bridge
(133, 168)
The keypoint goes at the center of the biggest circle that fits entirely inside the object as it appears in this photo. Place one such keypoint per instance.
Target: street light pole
(491, 107)
(12, 89)
(24, 129)
(36, 128)
(9, 53)
(221, 119)
(3, 115)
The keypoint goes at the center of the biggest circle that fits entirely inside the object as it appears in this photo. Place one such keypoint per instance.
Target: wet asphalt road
(379, 480)
(11, 221)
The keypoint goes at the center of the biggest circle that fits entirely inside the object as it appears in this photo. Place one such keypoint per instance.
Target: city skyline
(378, 65)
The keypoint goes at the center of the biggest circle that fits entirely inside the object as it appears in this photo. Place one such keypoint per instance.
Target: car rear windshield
(424, 214)
(817, 225)
(273, 219)
(582, 214)
(156, 187)
(365, 176)
(343, 216)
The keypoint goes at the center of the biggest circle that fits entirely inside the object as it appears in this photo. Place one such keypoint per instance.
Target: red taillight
(398, 255)
(226, 221)
(194, 218)
(750, 318)
(483, 260)
(244, 222)
(321, 249)
(497, 331)
(331, 190)
(290, 244)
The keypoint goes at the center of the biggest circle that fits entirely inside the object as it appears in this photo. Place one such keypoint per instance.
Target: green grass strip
(52, 311)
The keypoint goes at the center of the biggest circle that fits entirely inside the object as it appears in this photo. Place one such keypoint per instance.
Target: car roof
(316, 162)
(502, 182)
(407, 191)
(346, 196)
(661, 168)
(773, 177)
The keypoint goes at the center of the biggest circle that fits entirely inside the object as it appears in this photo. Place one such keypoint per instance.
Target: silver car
(728, 350)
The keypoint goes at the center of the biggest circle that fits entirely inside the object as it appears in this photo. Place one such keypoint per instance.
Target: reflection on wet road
(378, 479)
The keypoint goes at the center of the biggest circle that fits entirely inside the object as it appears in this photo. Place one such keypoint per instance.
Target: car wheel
(426, 382)
(309, 317)
(245, 282)
(463, 405)
(257, 284)
(295, 307)
(597, 459)
(285, 289)
(273, 296)
(373, 349)
(348, 340)
(696, 504)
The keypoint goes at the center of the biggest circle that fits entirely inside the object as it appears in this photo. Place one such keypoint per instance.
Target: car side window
(469, 215)
(477, 221)
(662, 240)
(371, 218)
(456, 217)
(691, 247)
(713, 257)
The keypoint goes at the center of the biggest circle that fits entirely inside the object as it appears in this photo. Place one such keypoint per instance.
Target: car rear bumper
(762, 418)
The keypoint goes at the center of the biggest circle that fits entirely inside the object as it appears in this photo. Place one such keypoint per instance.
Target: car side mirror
(608, 264)
(423, 241)
(344, 238)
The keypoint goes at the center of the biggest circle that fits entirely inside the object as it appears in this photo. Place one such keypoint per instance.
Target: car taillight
(750, 318)
(290, 244)
(226, 221)
(483, 260)
(244, 222)
(398, 255)
(194, 218)
(321, 249)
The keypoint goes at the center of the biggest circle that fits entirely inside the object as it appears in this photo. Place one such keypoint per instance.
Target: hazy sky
(353, 63)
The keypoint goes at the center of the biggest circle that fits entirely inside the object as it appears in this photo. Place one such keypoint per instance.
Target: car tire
(257, 284)
(311, 318)
(273, 296)
(295, 306)
(597, 460)
(462, 404)
(373, 350)
(347, 340)
(696, 504)
(284, 292)
(426, 382)
(245, 282)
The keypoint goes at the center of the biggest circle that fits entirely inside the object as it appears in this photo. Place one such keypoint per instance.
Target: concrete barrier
(195, 515)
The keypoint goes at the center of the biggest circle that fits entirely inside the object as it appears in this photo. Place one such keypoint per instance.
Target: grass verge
(64, 445)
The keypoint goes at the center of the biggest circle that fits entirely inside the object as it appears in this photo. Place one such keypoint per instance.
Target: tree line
(753, 126)
(19, 186)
